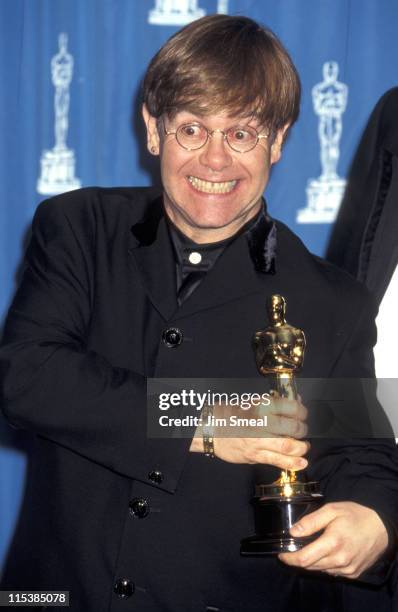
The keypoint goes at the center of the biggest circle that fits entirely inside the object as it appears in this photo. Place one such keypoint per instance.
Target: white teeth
(209, 187)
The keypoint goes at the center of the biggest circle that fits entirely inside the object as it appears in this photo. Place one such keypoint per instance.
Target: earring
(154, 150)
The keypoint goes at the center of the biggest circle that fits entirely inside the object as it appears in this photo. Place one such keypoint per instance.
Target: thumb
(313, 522)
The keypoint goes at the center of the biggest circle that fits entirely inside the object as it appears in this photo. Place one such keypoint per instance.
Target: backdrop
(70, 73)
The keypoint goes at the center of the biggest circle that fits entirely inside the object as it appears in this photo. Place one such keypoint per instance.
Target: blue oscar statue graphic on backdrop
(180, 12)
(58, 164)
(324, 194)
(175, 12)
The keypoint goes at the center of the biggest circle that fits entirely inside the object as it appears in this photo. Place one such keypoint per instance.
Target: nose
(216, 152)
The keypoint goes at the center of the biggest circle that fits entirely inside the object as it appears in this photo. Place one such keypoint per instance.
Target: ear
(276, 147)
(152, 134)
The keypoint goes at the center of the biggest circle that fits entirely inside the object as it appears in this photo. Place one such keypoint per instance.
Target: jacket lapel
(152, 255)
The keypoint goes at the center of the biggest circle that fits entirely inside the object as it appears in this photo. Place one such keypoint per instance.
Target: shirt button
(155, 476)
(172, 337)
(123, 588)
(139, 507)
(195, 257)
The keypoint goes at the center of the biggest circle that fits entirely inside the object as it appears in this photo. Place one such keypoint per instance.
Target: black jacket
(364, 239)
(83, 334)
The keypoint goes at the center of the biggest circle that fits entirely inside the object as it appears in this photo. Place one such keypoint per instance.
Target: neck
(208, 235)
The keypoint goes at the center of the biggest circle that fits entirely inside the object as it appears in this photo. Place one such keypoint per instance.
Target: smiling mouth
(210, 187)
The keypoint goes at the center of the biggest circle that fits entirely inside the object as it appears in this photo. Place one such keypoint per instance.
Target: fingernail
(297, 528)
(303, 463)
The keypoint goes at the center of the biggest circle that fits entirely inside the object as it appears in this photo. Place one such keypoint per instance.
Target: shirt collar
(260, 232)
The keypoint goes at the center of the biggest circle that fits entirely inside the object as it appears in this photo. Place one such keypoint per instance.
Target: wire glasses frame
(194, 135)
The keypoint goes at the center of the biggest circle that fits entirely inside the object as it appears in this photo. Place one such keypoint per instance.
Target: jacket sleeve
(52, 384)
(363, 470)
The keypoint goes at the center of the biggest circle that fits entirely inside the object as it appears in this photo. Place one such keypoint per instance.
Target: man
(364, 239)
(126, 284)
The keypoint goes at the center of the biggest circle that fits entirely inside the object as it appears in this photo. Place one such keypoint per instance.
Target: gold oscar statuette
(279, 352)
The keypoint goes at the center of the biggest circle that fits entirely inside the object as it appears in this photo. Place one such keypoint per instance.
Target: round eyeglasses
(192, 136)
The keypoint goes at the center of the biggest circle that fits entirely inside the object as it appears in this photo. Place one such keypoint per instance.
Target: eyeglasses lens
(192, 136)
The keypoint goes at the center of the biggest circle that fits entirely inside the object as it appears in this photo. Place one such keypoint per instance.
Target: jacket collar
(261, 239)
(238, 271)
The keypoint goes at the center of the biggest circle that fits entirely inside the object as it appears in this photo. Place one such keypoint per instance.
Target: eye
(191, 130)
(242, 135)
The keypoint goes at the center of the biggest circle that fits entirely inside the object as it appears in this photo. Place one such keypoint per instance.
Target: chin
(211, 219)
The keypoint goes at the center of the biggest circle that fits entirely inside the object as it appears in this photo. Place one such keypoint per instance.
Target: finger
(328, 564)
(349, 571)
(284, 462)
(283, 426)
(314, 554)
(339, 559)
(315, 521)
(346, 573)
(285, 446)
(289, 408)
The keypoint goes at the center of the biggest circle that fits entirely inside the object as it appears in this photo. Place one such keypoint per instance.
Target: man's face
(209, 193)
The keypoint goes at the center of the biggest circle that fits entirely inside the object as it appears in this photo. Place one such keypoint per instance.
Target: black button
(139, 507)
(156, 476)
(172, 337)
(123, 588)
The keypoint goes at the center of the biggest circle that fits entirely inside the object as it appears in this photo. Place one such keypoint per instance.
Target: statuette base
(275, 514)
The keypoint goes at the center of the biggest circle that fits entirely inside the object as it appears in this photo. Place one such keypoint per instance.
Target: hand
(283, 453)
(354, 538)
(285, 418)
